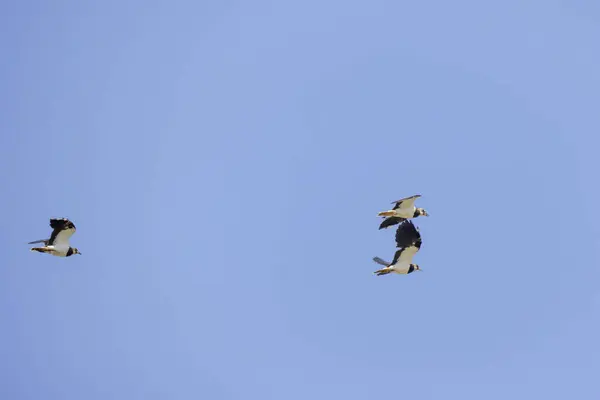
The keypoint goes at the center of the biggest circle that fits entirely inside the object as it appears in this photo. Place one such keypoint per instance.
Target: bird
(403, 210)
(408, 242)
(58, 244)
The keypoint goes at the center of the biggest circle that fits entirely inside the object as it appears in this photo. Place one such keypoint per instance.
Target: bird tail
(383, 271)
(39, 241)
(380, 261)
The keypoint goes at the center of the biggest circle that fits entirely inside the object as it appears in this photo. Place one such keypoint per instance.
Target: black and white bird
(58, 244)
(403, 210)
(408, 240)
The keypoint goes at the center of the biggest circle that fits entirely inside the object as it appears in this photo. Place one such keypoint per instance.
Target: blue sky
(224, 163)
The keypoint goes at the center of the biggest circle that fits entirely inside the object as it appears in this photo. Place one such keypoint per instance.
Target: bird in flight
(58, 244)
(408, 242)
(403, 209)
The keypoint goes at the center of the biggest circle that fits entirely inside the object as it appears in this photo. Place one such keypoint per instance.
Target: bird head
(423, 212)
(75, 251)
(415, 267)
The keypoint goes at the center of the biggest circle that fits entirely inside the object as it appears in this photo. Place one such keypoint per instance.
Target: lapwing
(403, 209)
(408, 242)
(58, 244)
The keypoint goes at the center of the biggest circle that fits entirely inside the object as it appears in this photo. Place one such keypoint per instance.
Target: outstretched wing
(407, 235)
(391, 221)
(406, 203)
(380, 261)
(405, 255)
(62, 231)
(45, 241)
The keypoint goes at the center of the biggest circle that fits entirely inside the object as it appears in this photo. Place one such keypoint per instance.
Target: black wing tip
(61, 223)
(409, 223)
(390, 221)
(403, 224)
(407, 234)
(384, 225)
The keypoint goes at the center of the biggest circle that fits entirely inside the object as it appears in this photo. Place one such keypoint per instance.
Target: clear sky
(224, 163)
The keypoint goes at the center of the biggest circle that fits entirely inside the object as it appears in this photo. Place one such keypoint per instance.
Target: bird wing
(63, 229)
(397, 255)
(407, 202)
(61, 223)
(380, 261)
(45, 241)
(390, 222)
(407, 234)
(405, 255)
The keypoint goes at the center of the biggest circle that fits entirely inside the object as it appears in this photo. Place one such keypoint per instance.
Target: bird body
(58, 244)
(403, 209)
(408, 242)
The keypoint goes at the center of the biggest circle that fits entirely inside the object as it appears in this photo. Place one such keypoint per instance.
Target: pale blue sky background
(224, 163)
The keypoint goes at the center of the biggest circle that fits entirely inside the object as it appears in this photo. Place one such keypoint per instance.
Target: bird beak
(79, 253)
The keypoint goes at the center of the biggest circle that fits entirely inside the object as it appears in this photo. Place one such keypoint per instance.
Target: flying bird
(58, 244)
(408, 242)
(403, 210)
